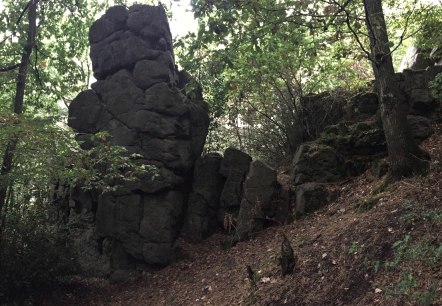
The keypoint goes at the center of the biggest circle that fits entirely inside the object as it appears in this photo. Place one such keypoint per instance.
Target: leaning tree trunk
(405, 156)
(8, 156)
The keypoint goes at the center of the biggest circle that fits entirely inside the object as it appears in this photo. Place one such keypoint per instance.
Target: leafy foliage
(436, 87)
(35, 251)
(34, 246)
(257, 59)
(260, 59)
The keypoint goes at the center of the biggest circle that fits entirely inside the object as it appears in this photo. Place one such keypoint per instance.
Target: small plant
(424, 252)
(353, 248)
(376, 265)
(380, 188)
(367, 204)
(427, 298)
(406, 284)
(436, 87)
(400, 247)
(404, 289)
(432, 215)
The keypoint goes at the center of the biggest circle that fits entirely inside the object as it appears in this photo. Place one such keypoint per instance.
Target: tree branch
(9, 68)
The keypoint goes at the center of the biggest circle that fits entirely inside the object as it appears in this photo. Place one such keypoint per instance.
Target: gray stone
(85, 111)
(259, 188)
(151, 23)
(123, 276)
(165, 100)
(310, 197)
(201, 216)
(157, 253)
(138, 100)
(201, 221)
(235, 160)
(147, 73)
(112, 21)
(421, 127)
(207, 180)
(234, 167)
(118, 51)
(317, 163)
(119, 94)
(160, 217)
(422, 101)
(365, 104)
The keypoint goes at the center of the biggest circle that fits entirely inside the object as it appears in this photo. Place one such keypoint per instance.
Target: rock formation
(357, 142)
(234, 168)
(138, 98)
(201, 219)
(256, 203)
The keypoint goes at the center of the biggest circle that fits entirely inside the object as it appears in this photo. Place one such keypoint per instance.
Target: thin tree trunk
(405, 156)
(8, 156)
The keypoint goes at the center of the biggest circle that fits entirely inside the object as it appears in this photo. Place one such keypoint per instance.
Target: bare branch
(9, 68)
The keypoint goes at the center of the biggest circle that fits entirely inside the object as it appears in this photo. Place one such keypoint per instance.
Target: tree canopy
(256, 59)
(258, 62)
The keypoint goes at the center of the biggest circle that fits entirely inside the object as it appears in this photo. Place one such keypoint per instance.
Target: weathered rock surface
(310, 197)
(420, 127)
(204, 200)
(361, 138)
(321, 110)
(138, 99)
(314, 162)
(414, 83)
(234, 168)
(364, 105)
(259, 189)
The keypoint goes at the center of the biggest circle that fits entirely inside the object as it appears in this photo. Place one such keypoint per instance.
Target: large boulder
(360, 138)
(415, 85)
(234, 168)
(320, 110)
(259, 189)
(314, 162)
(310, 197)
(364, 105)
(203, 204)
(421, 127)
(138, 99)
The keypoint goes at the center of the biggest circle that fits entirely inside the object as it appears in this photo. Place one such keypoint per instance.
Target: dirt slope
(387, 252)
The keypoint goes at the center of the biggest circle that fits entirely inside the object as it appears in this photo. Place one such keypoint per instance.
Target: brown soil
(345, 256)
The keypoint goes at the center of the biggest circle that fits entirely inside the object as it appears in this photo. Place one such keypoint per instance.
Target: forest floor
(387, 251)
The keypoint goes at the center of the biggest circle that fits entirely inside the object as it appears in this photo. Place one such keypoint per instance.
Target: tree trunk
(8, 156)
(405, 156)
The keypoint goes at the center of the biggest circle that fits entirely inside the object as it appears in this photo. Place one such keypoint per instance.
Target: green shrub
(34, 253)
(436, 87)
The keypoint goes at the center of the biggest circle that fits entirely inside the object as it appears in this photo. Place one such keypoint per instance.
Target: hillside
(386, 252)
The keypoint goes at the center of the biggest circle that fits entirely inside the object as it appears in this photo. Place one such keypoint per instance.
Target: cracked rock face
(138, 98)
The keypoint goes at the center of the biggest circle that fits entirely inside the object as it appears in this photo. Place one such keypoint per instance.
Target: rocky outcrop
(414, 83)
(138, 99)
(314, 162)
(204, 200)
(364, 105)
(320, 110)
(421, 127)
(418, 59)
(259, 189)
(360, 138)
(310, 197)
(234, 168)
(348, 149)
